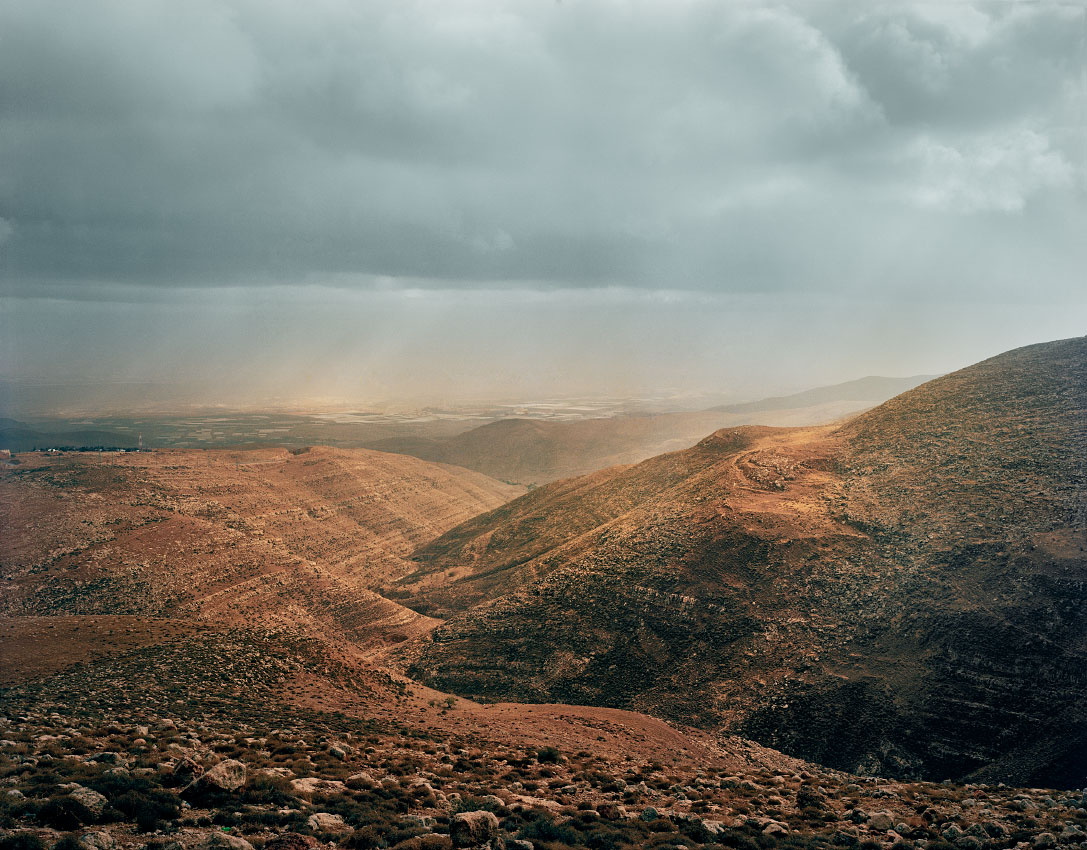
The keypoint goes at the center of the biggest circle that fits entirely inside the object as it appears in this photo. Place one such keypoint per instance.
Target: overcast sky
(437, 200)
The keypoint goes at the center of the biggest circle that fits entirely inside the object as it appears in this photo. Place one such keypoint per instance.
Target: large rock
(881, 821)
(473, 829)
(228, 775)
(94, 801)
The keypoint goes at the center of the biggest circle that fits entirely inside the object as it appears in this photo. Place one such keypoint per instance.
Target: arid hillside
(133, 733)
(195, 654)
(267, 536)
(904, 594)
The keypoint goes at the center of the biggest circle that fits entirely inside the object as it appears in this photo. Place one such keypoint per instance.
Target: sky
(370, 201)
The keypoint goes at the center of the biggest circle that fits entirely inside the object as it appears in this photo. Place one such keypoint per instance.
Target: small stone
(1043, 840)
(881, 821)
(649, 813)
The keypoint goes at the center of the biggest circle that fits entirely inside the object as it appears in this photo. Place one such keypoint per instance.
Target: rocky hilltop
(905, 594)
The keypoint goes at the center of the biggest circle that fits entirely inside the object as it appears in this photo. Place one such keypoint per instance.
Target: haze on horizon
(440, 201)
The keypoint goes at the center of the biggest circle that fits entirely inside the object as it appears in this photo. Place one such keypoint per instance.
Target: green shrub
(21, 841)
(547, 755)
(151, 809)
(544, 829)
(64, 813)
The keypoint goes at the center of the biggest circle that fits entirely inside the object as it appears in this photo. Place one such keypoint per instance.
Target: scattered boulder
(1043, 840)
(225, 841)
(649, 813)
(94, 801)
(316, 785)
(881, 821)
(327, 822)
(97, 841)
(228, 775)
(473, 829)
(609, 810)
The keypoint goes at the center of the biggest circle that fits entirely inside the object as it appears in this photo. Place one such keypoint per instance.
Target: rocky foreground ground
(171, 783)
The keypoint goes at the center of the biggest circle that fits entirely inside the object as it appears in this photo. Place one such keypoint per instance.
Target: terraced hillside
(905, 594)
(265, 536)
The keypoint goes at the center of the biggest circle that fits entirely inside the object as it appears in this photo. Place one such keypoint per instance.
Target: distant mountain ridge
(872, 389)
(528, 451)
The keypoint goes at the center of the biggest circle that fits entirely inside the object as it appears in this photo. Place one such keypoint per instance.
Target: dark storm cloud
(681, 145)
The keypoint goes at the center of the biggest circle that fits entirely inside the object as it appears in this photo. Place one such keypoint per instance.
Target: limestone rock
(326, 822)
(228, 775)
(94, 801)
(473, 829)
(316, 785)
(225, 841)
